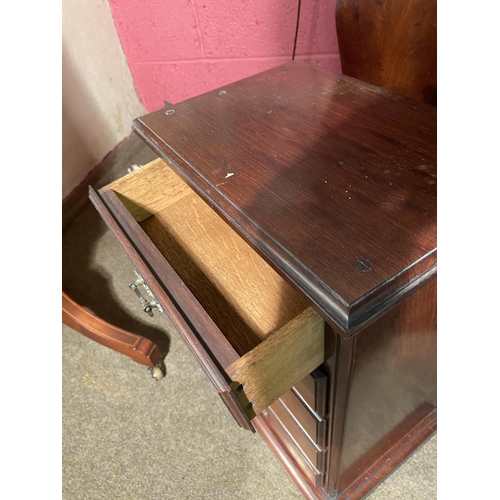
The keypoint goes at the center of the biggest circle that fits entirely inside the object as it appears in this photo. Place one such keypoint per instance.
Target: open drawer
(253, 334)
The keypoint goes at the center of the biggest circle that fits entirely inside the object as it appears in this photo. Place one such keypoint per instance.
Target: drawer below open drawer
(252, 333)
(315, 476)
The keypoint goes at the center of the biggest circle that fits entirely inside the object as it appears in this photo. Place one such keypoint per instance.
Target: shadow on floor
(94, 285)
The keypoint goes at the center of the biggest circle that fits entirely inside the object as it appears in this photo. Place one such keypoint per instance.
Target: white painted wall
(99, 99)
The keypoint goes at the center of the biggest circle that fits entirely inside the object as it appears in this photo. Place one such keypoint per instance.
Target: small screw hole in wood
(240, 387)
(363, 265)
(251, 405)
(170, 111)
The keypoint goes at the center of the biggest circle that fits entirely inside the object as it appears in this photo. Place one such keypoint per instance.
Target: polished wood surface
(307, 447)
(391, 44)
(310, 422)
(340, 372)
(134, 346)
(393, 440)
(386, 455)
(350, 167)
(307, 478)
(310, 483)
(394, 373)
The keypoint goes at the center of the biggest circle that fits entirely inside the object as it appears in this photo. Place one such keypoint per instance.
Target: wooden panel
(310, 422)
(385, 456)
(274, 366)
(304, 476)
(340, 372)
(149, 189)
(313, 391)
(391, 44)
(246, 298)
(306, 446)
(295, 462)
(393, 375)
(350, 167)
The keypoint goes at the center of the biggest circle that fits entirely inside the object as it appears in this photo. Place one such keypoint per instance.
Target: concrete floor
(127, 436)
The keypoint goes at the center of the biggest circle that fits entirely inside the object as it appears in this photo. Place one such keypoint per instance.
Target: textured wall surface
(178, 49)
(98, 101)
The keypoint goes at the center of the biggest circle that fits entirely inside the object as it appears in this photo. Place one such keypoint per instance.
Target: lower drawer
(313, 390)
(252, 333)
(311, 451)
(315, 476)
(307, 420)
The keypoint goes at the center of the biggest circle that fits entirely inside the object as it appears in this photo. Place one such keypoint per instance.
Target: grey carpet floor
(127, 436)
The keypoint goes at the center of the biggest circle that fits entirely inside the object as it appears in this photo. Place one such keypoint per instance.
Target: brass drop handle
(149, 309)
(147, 306)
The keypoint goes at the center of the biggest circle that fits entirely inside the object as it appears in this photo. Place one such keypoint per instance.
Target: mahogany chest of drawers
(288, 229)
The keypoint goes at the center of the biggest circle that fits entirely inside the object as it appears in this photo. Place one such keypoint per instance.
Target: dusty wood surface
(325, 170)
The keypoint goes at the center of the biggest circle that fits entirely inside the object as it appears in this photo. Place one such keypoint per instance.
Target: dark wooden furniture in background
(289, 231)
(391, 44)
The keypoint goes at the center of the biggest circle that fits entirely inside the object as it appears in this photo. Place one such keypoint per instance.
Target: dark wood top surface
(315, 170)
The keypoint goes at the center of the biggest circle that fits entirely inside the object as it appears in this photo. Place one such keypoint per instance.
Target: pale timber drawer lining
(278, 337)
(245, 297)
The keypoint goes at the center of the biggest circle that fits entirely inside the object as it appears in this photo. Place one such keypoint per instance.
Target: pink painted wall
(177, 49)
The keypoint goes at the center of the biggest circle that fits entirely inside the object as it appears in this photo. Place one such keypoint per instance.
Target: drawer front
(247, 382)
(312, 390)
(315, 476)
(309, 421)
(309, 449)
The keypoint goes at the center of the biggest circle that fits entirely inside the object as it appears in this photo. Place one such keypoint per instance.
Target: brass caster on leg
(158, 371)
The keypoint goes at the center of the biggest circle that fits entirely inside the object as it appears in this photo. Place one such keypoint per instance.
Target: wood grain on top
(315, 170)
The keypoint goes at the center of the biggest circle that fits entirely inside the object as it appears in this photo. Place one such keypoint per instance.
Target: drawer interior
(254, 307)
